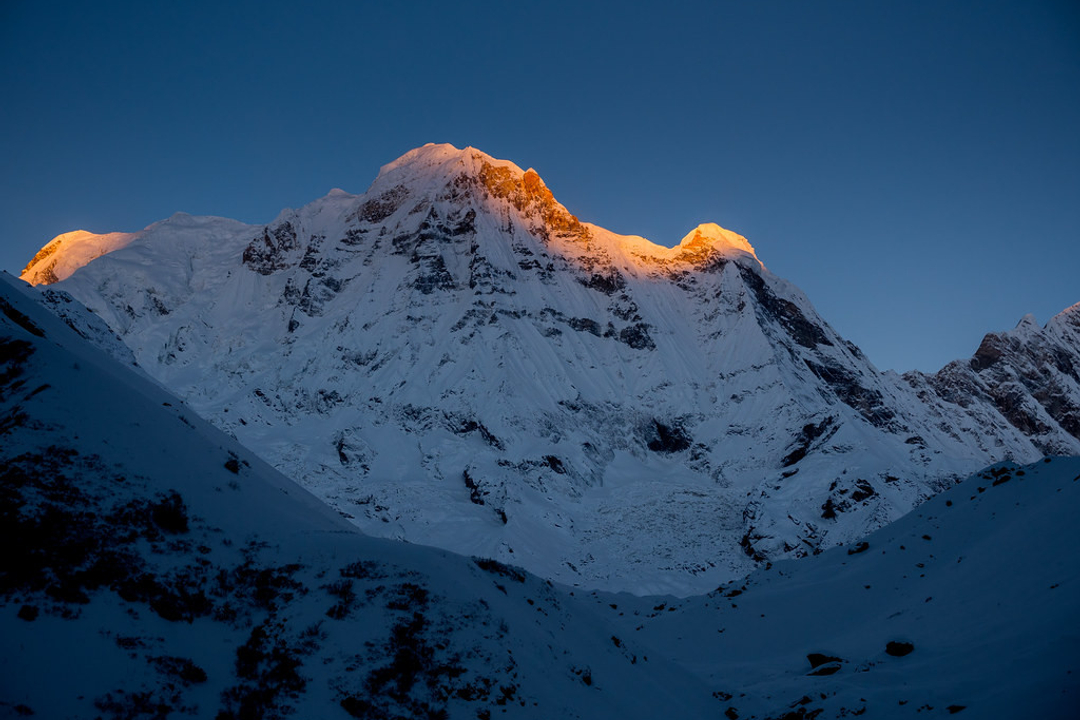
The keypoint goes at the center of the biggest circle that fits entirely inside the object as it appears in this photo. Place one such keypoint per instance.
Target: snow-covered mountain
(153, 567)
(454, 359)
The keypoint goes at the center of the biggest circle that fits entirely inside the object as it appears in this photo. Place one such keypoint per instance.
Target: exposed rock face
(455, 359)
(267, 254)
(1029, 375)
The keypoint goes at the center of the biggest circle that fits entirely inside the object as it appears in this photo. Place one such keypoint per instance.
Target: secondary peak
(711, 237)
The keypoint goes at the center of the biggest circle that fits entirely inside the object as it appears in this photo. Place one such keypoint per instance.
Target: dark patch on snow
(268, 668)
(183, 669)
(464, 426)
(898, 648)
(465, 226)
(867, 402)
(269, 253)
(432, 274)
(667, 438)
(122, 704)
(20, 319)
(822, 664)
(13, 357)
(478, 495)
(585, 325)
(842, 499)
(353, 237)
(608, 283)
(806, 437)
(378, 209)
(784, 312)
(746, 542)
(862, 491)
(637, 336)
(416, 672)
(497, 568)
(555, 464)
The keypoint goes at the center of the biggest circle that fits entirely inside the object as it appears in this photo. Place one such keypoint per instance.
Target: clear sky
(913, 166)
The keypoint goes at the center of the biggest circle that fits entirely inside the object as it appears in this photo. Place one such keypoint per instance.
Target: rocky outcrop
(1030, 376)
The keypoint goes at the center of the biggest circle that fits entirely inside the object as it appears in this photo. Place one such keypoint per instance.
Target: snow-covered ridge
(421, 172)
(68, 252)
(455, 359)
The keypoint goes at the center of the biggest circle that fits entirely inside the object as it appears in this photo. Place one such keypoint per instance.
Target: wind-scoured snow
(454, 359)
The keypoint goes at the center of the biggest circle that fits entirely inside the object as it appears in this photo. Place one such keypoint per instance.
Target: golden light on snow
(700, 246)
(78, 248)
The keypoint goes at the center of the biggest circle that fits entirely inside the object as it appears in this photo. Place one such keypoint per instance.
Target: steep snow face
(153, 567)
(454, 359)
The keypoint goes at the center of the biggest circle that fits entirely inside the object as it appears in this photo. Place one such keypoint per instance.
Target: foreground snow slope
(982, 582)
(454, 359)
(152, 567)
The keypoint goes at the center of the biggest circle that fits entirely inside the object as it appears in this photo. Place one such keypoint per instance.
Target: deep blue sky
(913, 166)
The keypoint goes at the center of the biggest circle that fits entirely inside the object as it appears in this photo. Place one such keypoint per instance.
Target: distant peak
(1028, 321)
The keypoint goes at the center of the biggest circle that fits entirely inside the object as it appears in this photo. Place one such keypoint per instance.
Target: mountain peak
(436, 172)
(433, 167)
(439, 160)
(710, 236)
